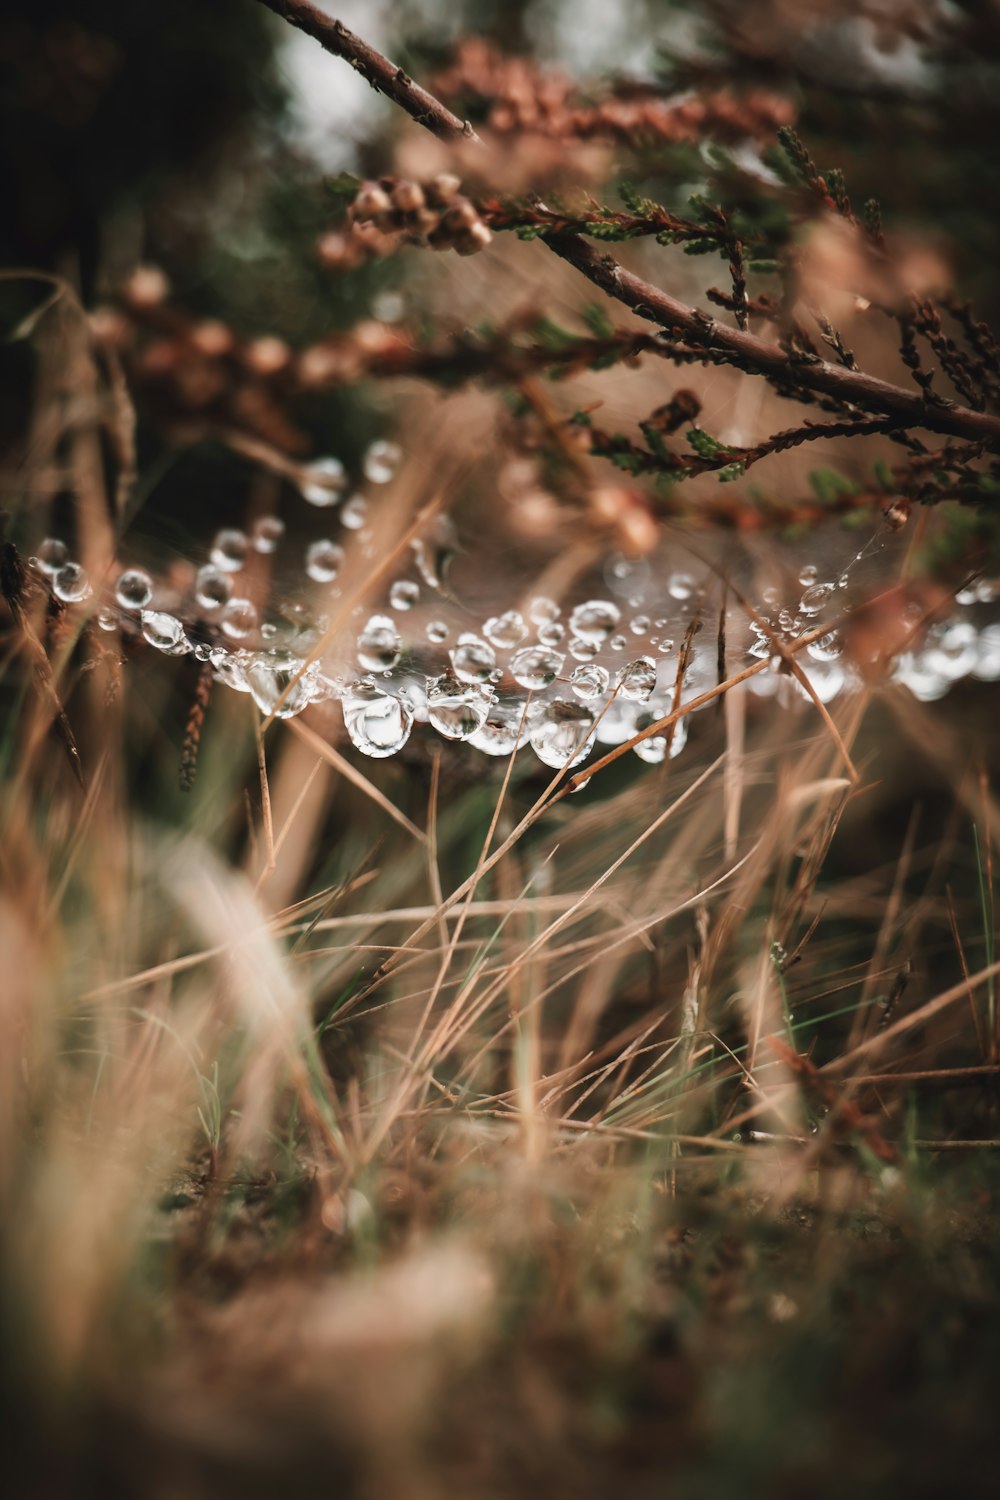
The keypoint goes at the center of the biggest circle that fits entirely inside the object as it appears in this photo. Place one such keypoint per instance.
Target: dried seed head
(371, 201)
(443, 188)
(897, 513)
(460, 217)
(408, 197)
(475, 238)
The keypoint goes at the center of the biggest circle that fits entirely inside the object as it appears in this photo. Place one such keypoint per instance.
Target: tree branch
(727, 345)
(384, 76)
(758, 357)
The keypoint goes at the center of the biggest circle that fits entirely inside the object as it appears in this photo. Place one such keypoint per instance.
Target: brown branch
(758, 357)
(727, 345)
(384, 76)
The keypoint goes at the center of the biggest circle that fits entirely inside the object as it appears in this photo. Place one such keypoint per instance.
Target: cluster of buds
(521, 97)
(434, 213)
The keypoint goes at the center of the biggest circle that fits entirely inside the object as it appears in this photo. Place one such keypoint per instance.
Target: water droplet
(52, 555)
(456, 709)
(827, 648)
(239, 618)
(618, 643)
(354, 513)
(952, 650)
(552, 633)
(595, 620)
(323, 483)
(503, 729)
(107, 619)
(229, 550)
(589, 681)
(404, 594)
(536, 666)
(681, 585)
(506, 630)
(230, 667)
(640, 625)
(808, 575)
(71, 584)
(267, 533)
(324, 560)
(379, 644)
(437, 631)
(134, 588)
(815, 598)
(378, 723)
(381, 461)
(562, 735)
(212, 587)
(581, 649)
(543, 611)
(638, 679)
(272, 673)
(654, 749)
(164, 631)
(472, 659)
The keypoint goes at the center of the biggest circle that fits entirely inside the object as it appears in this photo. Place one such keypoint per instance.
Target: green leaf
(827, 485)
(704, 444)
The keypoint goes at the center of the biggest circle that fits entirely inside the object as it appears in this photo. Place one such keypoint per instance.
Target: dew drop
(638, 679)
(456, 709)
(681, 585)
(594, 620)
(589, 681)
(239, 618)
(536, 666)
(378, 723)
(506, 630)
(52, 555)
(381, 461)
(543, 611)
(562, 735)
(323, 483)
(404, 594)
(212, 587)
(815, 598)
(267, 533)
(503, 729)
(552, 633)
(379, 644)
(134, 589)
(165, 632)
(437, 631)
(472, 659)
(654, 749)
(640, 625)
(324, 560)
(354, 513)
(808, 575)
(71, 584)
(274, 673)
(229, 550)
(581, 649)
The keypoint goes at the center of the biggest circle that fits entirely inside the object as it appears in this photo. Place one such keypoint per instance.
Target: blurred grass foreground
(499, 647)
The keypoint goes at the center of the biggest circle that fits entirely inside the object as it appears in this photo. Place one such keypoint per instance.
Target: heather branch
(727, 345)
(384, 76)
(758, 357)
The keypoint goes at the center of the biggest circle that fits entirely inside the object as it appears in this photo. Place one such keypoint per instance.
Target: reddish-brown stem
(384, 76)
(865, 393)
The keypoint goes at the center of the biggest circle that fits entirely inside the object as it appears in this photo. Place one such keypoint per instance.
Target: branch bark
(757, 356)
(384, 76)
(906, 408)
